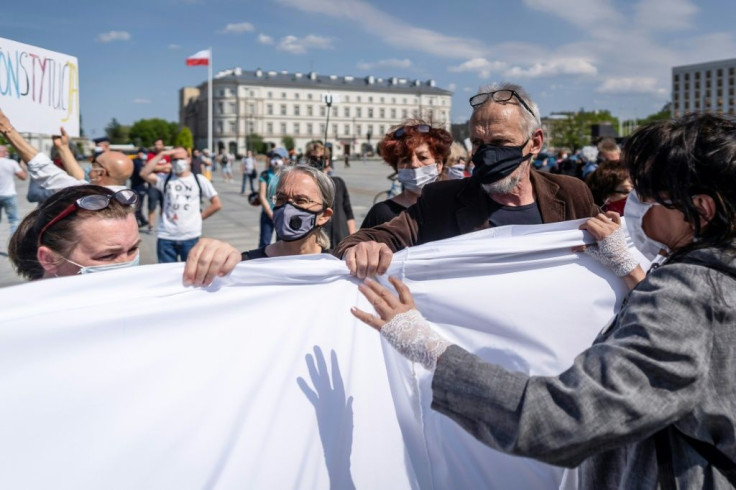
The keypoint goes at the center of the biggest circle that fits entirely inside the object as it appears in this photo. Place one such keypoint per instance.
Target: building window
(359, 98)
(347, 98)
(382, 100)
(309, 96)
(370, 112)
(232, 126)
(283, 109)
(269, 128)
(251, 127)
(309, 110)
(346, 130)
(296, 110)
(358, 129)
(251, 108)
(358, 112)
(310, 129)
(346, 111)
(404, 100)
(283, 95)
(382, 113)
(322, 110)
(252, 94)
(334, 129)
(233, 108)
(322, 128)
(270, 95)
(381, 129)
(283, 128)
(220, 108)
(404, 113)
(269, 109)
(393, 113)
(296, 95)
(334, 112)
(370, 99)
(219, 126)
(393, 100)
(296, 128)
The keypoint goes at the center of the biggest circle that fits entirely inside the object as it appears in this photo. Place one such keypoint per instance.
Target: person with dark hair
(506, 133)
(651, 403)
(79, 229)
(417, 152)
(610, 185)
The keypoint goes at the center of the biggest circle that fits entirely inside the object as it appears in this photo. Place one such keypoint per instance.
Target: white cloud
(264, 39)
(295, 45)
(389, 63)
(238, 28)
(481, 66)
(142, 101)
(174, 46)
(391, 30)
(665, 14)
(564, 66)
(632, 85)
(110, 36)
(452, 87)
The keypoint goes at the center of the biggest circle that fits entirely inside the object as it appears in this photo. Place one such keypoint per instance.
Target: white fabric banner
(126, 379)
(39, 89)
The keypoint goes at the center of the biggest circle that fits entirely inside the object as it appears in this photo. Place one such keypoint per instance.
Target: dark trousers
(266, 230)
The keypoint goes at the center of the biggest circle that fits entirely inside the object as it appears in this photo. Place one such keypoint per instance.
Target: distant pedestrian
(139, 185)
(8, 197)
(249, 172)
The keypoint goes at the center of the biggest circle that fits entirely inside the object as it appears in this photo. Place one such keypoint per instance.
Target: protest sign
(39, 89)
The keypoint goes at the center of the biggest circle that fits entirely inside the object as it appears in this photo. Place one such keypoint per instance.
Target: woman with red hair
(418, 153)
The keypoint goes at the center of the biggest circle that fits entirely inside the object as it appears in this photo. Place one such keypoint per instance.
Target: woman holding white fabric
(652, 404)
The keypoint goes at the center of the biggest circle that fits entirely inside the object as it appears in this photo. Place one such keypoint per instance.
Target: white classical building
(278, 104)
(704, 87)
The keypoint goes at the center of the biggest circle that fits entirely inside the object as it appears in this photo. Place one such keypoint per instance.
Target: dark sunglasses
(95, 202)
(498, 96)
(420, 128)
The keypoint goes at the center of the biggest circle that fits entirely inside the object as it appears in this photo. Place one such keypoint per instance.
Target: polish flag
(201, 58)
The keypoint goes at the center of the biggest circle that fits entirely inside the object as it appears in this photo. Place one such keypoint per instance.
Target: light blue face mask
(88, 269)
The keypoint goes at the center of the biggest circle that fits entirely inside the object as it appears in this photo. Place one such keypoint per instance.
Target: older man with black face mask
(506, 134)
(180, 224)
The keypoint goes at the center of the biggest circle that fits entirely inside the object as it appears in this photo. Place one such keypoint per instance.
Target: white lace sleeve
(614, 254)
(412, 336)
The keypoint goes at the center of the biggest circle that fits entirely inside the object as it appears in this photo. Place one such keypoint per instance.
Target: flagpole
(209, 105)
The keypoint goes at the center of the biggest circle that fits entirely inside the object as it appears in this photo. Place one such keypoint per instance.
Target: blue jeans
(266, 230)
(10, 205)
(174, 250)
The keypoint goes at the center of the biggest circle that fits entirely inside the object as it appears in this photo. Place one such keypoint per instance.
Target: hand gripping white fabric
(613, 252)
(411, 335)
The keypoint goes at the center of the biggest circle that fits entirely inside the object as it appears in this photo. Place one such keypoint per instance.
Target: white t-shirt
(8, 169)
(248, 165)
(181, 218)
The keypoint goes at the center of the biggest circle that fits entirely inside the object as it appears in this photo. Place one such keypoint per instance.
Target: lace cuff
(613, 252)
(411, 335)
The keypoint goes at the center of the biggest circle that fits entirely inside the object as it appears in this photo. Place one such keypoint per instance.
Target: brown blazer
(455, 207)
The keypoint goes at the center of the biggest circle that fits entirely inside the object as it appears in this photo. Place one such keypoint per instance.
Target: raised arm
(23, 147)
(72, 167)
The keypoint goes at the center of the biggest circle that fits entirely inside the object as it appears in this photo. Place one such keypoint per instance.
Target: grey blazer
(668, 359)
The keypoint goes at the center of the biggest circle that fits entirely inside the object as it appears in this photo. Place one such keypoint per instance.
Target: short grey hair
(326, 189)
(530, 122)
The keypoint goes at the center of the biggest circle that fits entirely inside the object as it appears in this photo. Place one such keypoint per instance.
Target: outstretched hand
(61, 140)
(385, 302)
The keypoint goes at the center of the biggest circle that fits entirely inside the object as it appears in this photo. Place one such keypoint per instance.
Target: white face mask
(179, 166)
(416, 178)
(635, 211)
(88, 269)
(456, 172)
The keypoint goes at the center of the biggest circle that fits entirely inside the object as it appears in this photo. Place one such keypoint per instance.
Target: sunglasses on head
(498, 96)
(420, 128)
(95, 202)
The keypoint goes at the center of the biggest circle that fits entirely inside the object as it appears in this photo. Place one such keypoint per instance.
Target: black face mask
(493, 163)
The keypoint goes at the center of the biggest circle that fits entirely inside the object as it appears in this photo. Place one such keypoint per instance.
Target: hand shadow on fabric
(334, 413)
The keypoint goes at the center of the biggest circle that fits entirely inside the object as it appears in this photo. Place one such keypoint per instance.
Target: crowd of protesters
(650, 404)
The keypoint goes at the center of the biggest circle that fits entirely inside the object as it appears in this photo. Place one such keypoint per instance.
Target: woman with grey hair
(303, 205)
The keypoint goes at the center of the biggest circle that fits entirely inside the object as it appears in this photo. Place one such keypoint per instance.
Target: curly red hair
(394, 150)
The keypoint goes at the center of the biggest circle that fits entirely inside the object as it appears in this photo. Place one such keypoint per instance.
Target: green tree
(288, 142)
(573, 131)
(184, 138)
(256, 143)
(145, 131)
(118, 133)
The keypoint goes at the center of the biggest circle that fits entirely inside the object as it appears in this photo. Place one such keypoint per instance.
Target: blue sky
(569, 54)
